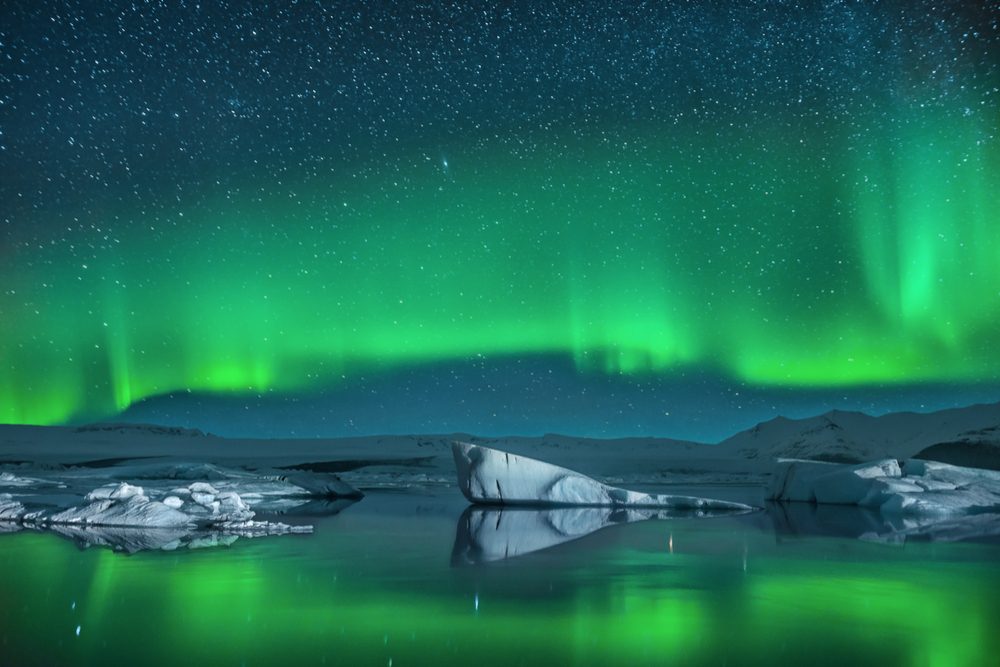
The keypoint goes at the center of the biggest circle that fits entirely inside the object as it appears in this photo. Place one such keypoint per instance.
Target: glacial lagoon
(400, 578)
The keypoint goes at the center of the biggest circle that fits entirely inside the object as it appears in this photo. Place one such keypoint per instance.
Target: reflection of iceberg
(131, 539)
(492, 477)
(804, 519)
(485, 535)
(490, 534)
(122, 538)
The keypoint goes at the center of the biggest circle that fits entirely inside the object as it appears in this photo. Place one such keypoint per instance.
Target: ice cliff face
(490, 476)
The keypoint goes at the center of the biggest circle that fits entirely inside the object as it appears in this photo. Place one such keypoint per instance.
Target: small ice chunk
(101, 492)
(232, 505)
(204, 499)
(125, 490)
(173, 501)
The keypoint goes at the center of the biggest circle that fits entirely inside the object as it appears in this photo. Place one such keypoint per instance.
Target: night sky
(320, 218)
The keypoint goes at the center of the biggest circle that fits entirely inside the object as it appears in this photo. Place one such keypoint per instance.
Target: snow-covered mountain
(967, 436)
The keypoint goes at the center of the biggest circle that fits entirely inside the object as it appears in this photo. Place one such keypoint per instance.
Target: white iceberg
(914, 487)
(121, 505)
(124, 505)
(492, 477)
(125, 518)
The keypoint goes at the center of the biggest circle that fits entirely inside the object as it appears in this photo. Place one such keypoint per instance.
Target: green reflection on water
(369, 589)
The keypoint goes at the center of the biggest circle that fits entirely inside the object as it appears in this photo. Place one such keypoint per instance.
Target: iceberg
(124, 505)
(123, 517)
(492, 477)
(179, 504)
(910, 487)
(198, 504)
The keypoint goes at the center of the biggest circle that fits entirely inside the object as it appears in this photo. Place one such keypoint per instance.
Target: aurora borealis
(252, 198)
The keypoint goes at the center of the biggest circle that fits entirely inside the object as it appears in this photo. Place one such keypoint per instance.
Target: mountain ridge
(964, 436)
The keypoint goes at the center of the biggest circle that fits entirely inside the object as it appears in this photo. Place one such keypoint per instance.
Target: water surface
(376, 585)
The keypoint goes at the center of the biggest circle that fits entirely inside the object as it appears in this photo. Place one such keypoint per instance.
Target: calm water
(376, 586)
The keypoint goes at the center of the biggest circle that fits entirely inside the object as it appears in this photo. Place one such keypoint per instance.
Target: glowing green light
(850, 253)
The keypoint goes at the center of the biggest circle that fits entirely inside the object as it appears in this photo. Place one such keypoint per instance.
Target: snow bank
(915, 487)
(493, 477)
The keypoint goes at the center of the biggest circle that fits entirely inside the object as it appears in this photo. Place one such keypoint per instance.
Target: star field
(279, 198)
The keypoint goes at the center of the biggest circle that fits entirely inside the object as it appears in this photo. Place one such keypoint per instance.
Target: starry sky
(603, 218)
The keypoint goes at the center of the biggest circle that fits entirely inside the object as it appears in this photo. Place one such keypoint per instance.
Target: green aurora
(845, 243)
(797, 260)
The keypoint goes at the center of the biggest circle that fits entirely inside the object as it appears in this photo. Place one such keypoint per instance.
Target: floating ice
(123, 517)
(914, 487)
(489, 476)
(126, 505)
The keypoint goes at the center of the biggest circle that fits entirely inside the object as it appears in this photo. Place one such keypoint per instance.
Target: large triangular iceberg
(492, 477)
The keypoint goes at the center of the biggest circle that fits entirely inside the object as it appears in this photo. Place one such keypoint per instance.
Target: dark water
(376, 585)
